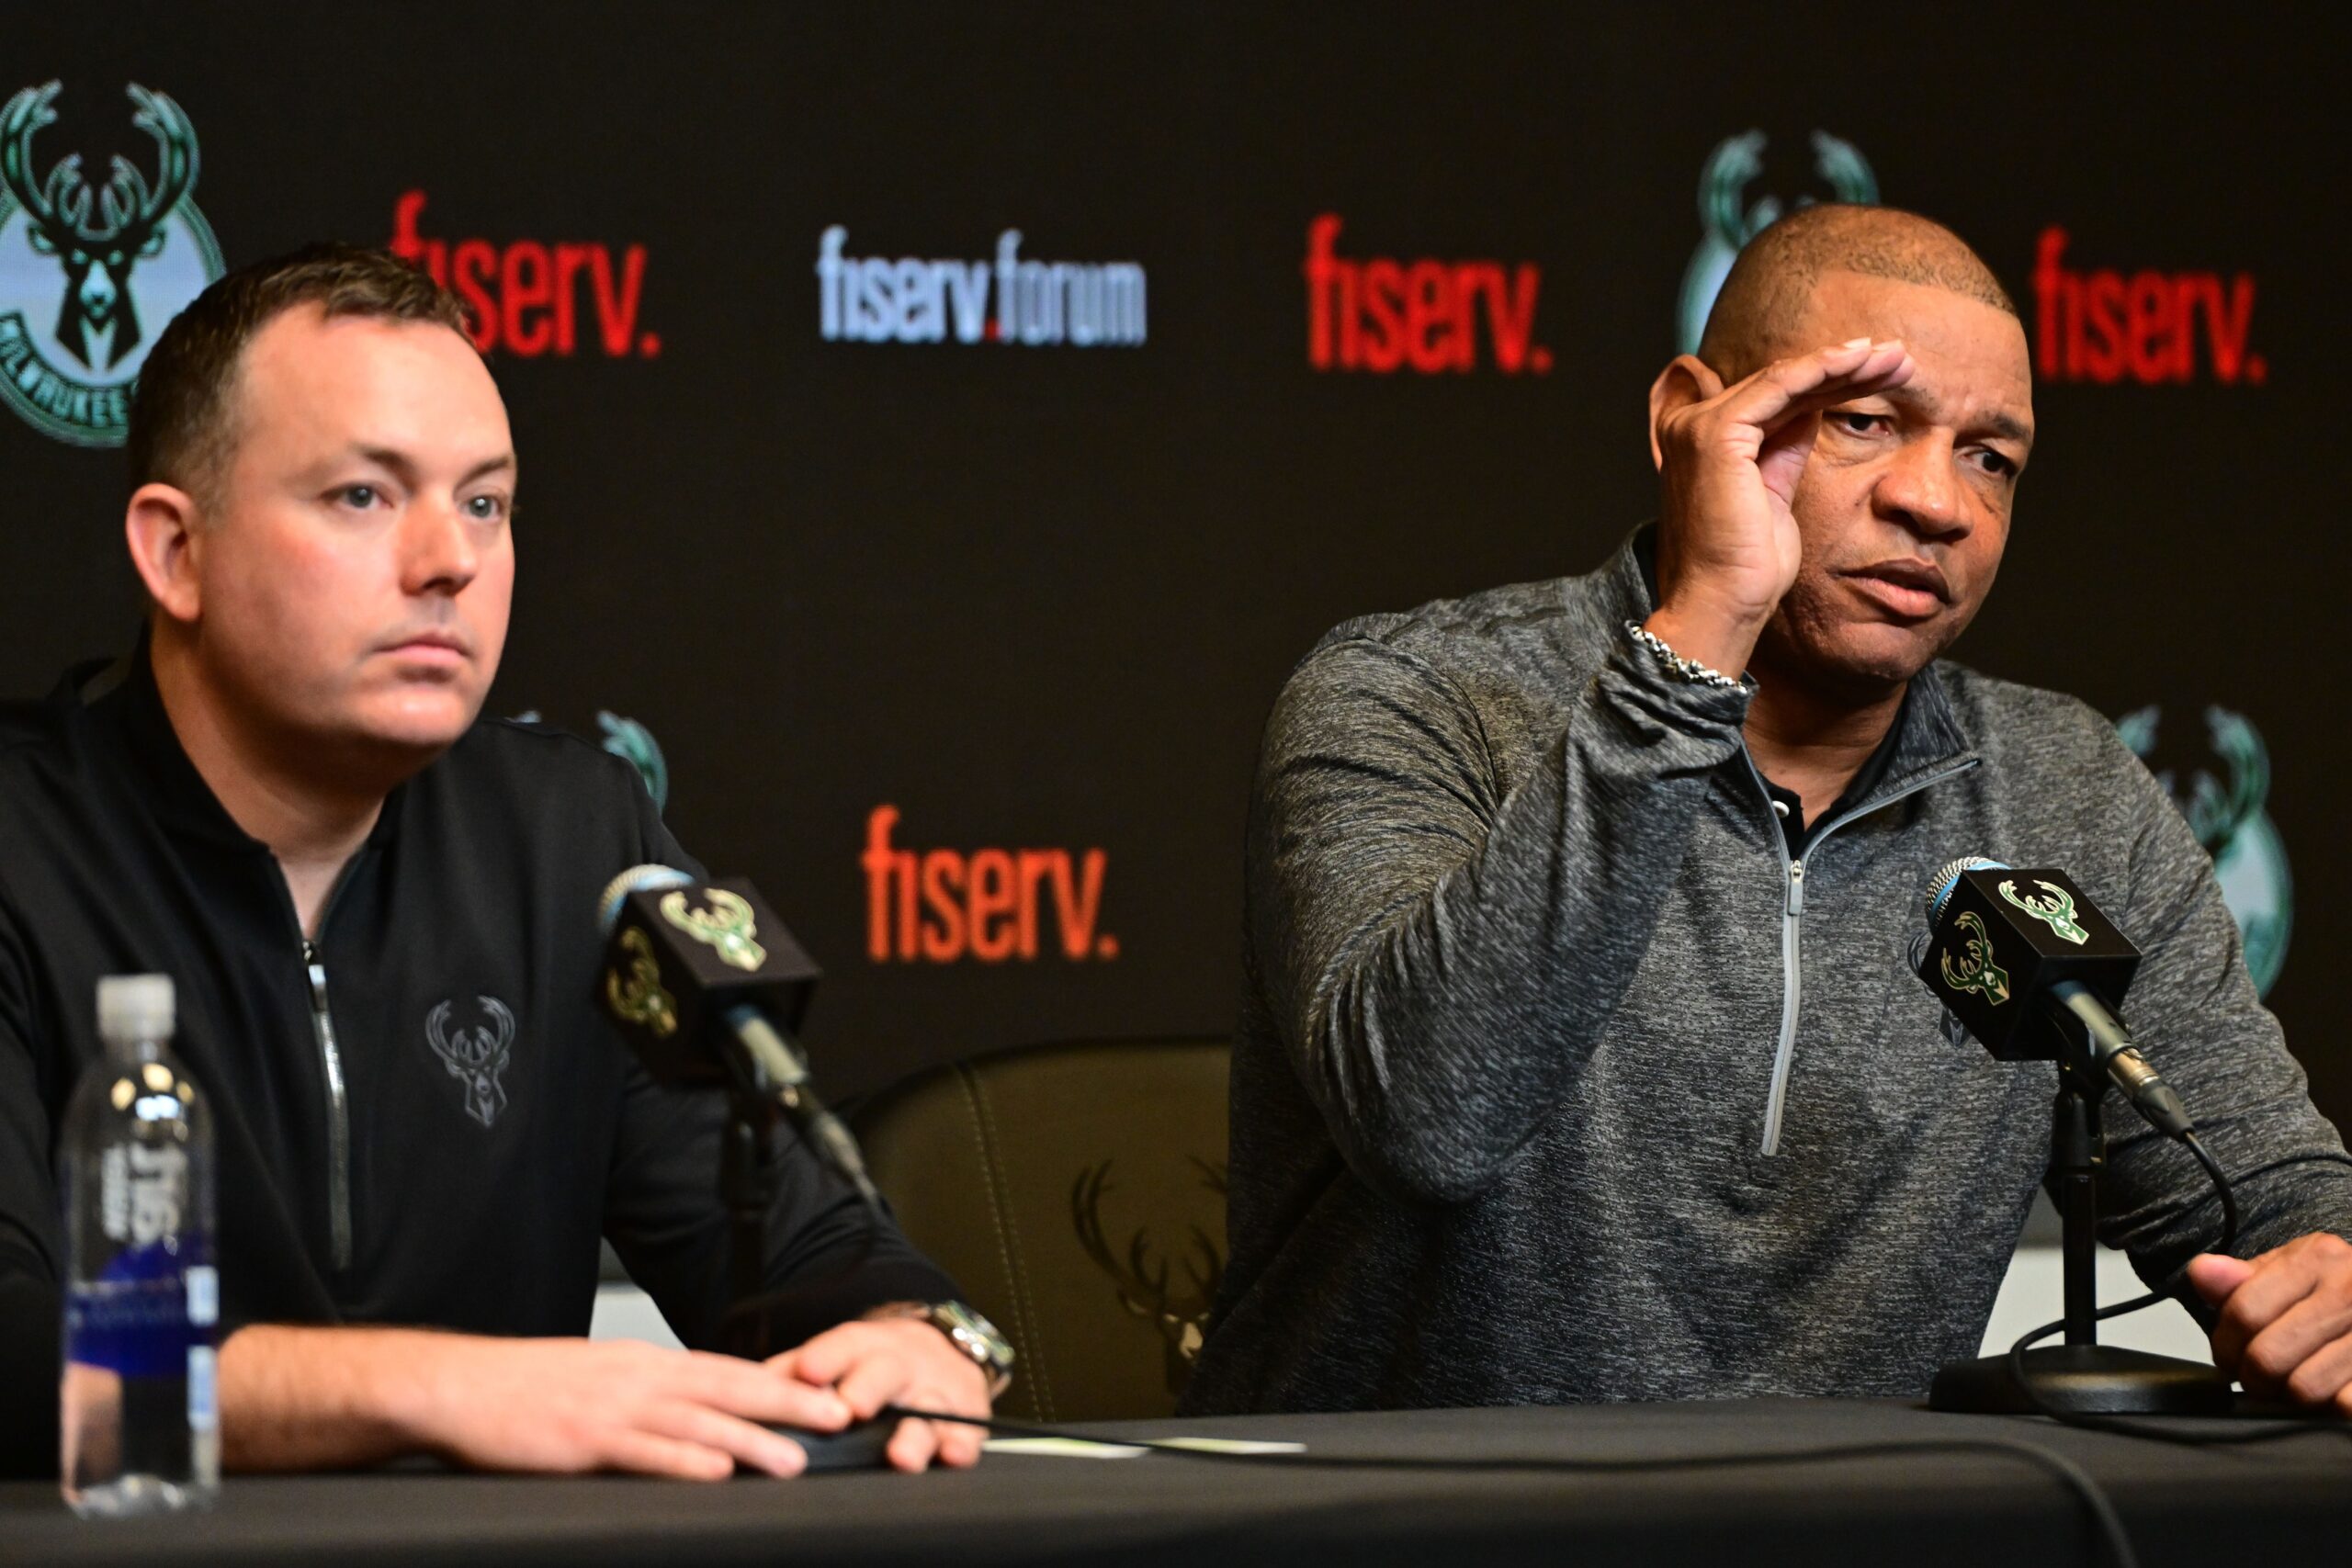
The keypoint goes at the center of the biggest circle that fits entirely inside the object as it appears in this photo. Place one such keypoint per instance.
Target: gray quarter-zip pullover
(1558, 1079)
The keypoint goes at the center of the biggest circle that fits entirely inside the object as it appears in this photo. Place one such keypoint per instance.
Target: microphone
(2030, 966)
(707, 984)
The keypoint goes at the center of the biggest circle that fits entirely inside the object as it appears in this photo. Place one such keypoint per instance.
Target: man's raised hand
(1729, 461)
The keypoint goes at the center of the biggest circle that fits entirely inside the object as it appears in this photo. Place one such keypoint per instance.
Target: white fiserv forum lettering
(1009, 300)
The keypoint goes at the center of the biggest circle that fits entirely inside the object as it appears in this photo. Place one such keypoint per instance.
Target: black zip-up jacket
(421, 1190)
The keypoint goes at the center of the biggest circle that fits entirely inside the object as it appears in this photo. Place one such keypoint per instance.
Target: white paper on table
(1098, 1448)
(1063, 1447)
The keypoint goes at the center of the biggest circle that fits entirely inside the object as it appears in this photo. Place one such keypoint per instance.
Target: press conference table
(2283, 1503)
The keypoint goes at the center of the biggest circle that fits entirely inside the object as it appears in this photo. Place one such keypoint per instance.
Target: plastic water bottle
(139, 1422)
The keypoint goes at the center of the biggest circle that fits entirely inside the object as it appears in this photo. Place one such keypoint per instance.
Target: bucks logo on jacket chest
(475, 1045)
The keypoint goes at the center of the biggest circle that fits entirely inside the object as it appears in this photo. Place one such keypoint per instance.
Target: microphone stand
(2081, 1376)
(767, 1080)
(746, 1185)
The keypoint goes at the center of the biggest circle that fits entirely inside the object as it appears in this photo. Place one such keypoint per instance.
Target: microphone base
(2085, 1379)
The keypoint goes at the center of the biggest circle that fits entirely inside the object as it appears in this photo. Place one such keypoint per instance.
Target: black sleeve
(827, 1260)
(31, 1241)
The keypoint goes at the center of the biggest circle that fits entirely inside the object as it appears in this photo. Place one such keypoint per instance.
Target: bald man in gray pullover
(1581, 1057)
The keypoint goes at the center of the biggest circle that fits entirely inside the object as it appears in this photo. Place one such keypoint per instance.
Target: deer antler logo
(475, 1056)
(2057, 911)
(1728, 219)
(97, 257)
(1181, 1317)
(71, 376)
(2223, 793)
(638, 996)
(727, 926)
(1976, 971)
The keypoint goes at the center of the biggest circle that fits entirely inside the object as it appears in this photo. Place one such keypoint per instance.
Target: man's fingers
(913, 1445)
(2277, 1283)
(650, 1453)
(2277, 1353)
(1788, 387)
(824, 1359)
(959, 1446)
(738, 1440)
(2213, 1275)
(2325, 1376)
(758, 1391)
(877, 1378)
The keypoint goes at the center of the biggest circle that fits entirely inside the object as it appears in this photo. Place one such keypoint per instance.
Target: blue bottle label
(135, 1319)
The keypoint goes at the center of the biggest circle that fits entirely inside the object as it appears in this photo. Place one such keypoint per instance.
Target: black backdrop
(1039, 596)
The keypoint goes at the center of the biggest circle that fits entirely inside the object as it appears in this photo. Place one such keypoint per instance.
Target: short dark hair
(183, 424)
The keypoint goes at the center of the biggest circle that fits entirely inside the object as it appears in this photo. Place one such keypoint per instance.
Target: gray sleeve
(1442, 954)
(2194, 1012)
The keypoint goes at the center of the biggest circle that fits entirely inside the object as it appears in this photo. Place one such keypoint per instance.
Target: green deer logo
(1976, 971)
(727, 926)
(2057, 911)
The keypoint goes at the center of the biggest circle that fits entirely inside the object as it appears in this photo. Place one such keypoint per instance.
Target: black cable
(2105, 1521)
(2288, 1426)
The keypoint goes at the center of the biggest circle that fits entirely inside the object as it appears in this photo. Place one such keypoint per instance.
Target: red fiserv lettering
(526, 296)
(940, 906)
(2102, 326)
(1382, 315)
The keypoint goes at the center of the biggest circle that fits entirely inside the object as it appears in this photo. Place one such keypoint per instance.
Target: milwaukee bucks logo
(475, 1054)
(2057, 911)
(1728, 218)
(2224, 788)
(89, 274)
(727, 926)
(1976, 971)
(638, 996)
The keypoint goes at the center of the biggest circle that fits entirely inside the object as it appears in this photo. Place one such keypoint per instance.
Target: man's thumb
(2214, 1276)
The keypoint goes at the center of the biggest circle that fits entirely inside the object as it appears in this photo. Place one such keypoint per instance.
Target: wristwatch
(970, 1332)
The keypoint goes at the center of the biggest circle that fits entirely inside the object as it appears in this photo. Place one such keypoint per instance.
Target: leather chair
(1076, 1192)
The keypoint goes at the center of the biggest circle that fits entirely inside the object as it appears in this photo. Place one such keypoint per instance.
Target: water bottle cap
(135, 1007)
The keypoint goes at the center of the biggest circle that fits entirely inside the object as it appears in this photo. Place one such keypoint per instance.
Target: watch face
(969, 1327)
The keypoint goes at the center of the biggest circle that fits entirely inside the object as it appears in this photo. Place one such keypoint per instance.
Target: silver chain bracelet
(1690, 670)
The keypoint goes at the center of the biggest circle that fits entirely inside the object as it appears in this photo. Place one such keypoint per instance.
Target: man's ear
(161, 526)
(1685, 381)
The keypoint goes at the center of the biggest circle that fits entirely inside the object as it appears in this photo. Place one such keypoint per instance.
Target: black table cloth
(2278, 1504)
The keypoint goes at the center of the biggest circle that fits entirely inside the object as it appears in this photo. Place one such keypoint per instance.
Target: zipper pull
(1797, 887)
(318, 974)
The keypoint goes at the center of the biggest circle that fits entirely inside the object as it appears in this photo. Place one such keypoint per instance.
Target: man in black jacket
(282, 799)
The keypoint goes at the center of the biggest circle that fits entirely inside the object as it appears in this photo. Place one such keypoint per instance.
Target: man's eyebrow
(503, 461)
(1996, 422)
(404, 468)
(2010, 426)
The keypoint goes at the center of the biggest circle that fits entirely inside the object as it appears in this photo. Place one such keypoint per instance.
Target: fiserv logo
(1384, 315)
(528, 299)
(89, 274)
(2152, 327)
(1008, 298)
(940, 906)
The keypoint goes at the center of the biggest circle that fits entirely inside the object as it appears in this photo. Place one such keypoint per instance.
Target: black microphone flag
(2000, 940)
(682, 956)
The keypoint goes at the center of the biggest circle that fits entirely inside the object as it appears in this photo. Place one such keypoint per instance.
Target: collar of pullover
(1927, 737)
(124, 702)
